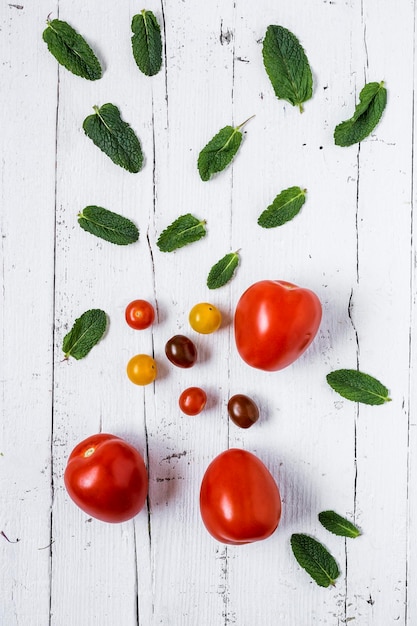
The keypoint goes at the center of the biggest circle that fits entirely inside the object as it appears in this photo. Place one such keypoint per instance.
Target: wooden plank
(410, 405)
(300, 416)
(187, 564)
(380, 312)
(94, 394)
(26, 314)
(352, 243)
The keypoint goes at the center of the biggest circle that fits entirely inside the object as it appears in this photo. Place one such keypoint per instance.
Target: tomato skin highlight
(106, 477)
(139, 314)
(239, 499)
(275, 322)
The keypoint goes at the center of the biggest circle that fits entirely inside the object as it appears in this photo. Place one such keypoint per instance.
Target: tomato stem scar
(89, 451)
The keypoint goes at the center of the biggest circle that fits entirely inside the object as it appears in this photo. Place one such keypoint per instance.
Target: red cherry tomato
(107, 478)
(239, 499)
(139, 314)
(275, 322)
(192, 400)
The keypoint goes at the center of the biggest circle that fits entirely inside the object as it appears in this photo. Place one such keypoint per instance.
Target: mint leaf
(71, 50)
(223, 270)
(114, 137)
(85, 333)
(338, 525)
(184, 230)
(285, 206)
(372, 102)
(358, 387)
(287, 66)
(220, 151)
(315, 559)
(147, 43)
(108, 225)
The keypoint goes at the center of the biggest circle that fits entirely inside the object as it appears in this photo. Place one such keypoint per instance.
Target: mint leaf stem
(245, 122)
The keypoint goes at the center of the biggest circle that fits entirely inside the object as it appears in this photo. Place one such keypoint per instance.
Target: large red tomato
(275, 322)
(107, 478)
(239, 499)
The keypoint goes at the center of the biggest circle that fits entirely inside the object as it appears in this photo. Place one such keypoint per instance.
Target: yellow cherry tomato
(205, 318)
(141, 369)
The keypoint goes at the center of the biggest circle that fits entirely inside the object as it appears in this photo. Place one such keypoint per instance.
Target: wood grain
(353, 243)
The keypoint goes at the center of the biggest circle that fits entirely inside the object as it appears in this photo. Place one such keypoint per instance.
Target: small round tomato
(107, 478)
(239, 499)
(139, 314)
(192, 400)
(205, 318)
(242, 410)
(181, 351)
(275, 322)
(142, 369)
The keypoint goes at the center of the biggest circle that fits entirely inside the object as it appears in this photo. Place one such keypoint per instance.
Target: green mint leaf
(85, 333)
(372, 102)
(114, 137)
(315, 559)
(108, 225)
(287, 66)
(220, 151)
(71, 50)
(223, 270)
(285, 206)
(184, 230)
(147, 43)
(358, 387)
(338, 525)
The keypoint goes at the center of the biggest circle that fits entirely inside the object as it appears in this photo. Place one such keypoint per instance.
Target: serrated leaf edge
(69, 353)
(351, 529)
(303, 193)
(49, 25)
(294, 87)
(332, 581)
(372, 393)
(357, 114)
(234, 255)
(113, 230)
(190, 228)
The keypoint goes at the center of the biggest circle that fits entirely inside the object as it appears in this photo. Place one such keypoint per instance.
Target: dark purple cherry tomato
(242, 410)
(181, 351)
(192, 400)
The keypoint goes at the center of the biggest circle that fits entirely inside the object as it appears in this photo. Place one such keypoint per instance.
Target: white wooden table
(353, 243)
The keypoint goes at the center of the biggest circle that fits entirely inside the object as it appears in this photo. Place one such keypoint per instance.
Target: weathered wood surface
(353, 244)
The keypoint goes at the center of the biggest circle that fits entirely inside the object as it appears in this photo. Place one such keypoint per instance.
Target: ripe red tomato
(192, 400)
(239, 499)
(107, 478)
(275, 322)
(139, 314)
